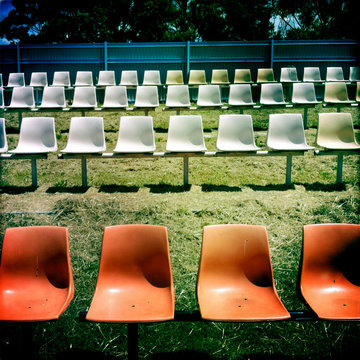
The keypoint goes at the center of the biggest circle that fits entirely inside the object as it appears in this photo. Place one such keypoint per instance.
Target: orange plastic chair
(330, 276)
(135, 278)
(235, 279)
(36, 282)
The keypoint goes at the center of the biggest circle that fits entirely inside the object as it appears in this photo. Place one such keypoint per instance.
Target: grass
(231, 190)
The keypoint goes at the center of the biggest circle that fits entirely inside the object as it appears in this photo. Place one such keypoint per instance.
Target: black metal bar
(27, 330)
(133, 348)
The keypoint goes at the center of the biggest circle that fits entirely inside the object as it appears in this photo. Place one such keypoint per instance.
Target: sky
(5, 7)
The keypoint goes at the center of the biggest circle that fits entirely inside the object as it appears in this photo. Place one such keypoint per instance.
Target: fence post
(271, 53)
(105, 55)
(187, 58)
(18, 56)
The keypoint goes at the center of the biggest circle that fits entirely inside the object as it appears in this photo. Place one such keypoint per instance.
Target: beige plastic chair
(16, 79)
(336, 92)
(272, 94)
(286, 132)
(304, 93)
(185, 134)
(312, 74)
(151, 77)
(354, 74)
(240, 95)
(209, 95)
(288, 75)
(3, 139)
(106, 78)
(53, 97)
(197, 77)
(2, 98)
(129, 78)
(136, 135)
(37, 136)
(84, 78)
(336, 131)
(178, 96)
(115, 97)
(61, 78)
(84, 97)
(242, 76)
(236, 133)
(146, 97)
(334, 74)
(174, 77)
(22, 98)
(86, 136)
(39, 79)
(357, 97)
(265, 75)
(220, 77)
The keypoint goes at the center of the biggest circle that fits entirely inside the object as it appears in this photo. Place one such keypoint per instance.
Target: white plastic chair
(22, 98)
(84, 78)
(2, 98)
(53, 97)
(37, 136)
(115, 97)
(151, 77)
(61, 78)
(288, 75)
(39, 79)
(16, 79)
(220, 77)
(129, 78)
(286, 132)
(178, 96)
(240, 95)
(272, 94)
(106, 78)
(146, 97)
(334, 74)
(86, 136)
(1, 81)
(136, 135)
(209, 95)
(312, 74)
(84, 97)
(236, 133)
(174, 77)
(197, 77)
(3, 139)
(185, 134)
(304, 93)
(354, 74)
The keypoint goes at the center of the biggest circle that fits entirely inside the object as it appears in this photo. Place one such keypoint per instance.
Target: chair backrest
(197, 77)
(272, 94)
(86, 135)
(236, 133)
(36, 265)
(288, 75)
(53, 97)
(61, 78)
(152, 77)
(147, 96)
(22, 97)
(185, 134)
(354, 74)
(174, 77)
(37, 135)
(177, 96)
(242, 76)
(286, 132)
(304, 93)
(106, 78)
(240, 94)
(3, 139)
(334, 74)
(336, 131)
(84, 78)
(84, 97)
(219, 76)
(16, 79)
(336, 92)
(265, 75)
(209, 95)
(136, 135)
(39, 79)
(357, 97)
(312, 74)
(1, 81)
(135, 264)
(129, 78)
(330, 277)
(1, 97)
(236, 257)
(115, 97)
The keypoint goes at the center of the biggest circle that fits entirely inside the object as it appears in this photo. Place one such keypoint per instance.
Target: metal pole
(133, 348)
(305, 117)
(288, 169)
(83, 172)
(33, 172)
(271, 53)
(186, 170)
(340, 160)
(18, 56)
(105, 55)
(188, 58)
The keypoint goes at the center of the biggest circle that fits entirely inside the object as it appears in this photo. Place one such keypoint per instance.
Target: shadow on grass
(118, 189)
(325, 187)
(78, 354)
(67, 189)
(209, 188)
(14, 190)
(166, 188)
(271, 187)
